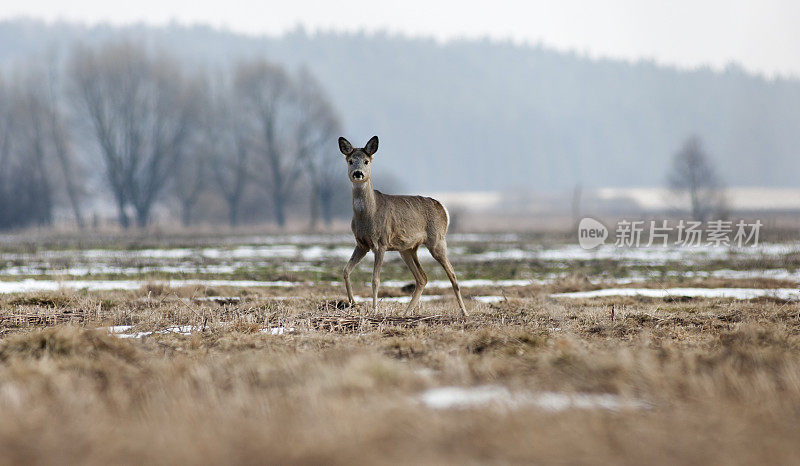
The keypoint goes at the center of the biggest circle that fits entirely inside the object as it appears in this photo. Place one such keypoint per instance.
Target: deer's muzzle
(358, 175)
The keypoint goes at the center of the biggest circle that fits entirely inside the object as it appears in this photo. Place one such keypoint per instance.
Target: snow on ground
(653, 255)
(277, 251)
(465, 283)
(119, 330)
(97, 269)
(488, 299)
(300, 253)
(501, 397)
(105, 285)
(791, 294)
(277, 330)
(218, 298)
(776, 274)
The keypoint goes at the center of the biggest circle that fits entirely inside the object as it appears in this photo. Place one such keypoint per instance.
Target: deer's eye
(366, 162)
(350, 162)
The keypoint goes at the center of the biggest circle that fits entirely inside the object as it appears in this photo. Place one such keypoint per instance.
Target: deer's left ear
(372, 146)
(345, 146)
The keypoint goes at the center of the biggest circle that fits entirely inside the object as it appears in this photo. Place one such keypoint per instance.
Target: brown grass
(722, 379)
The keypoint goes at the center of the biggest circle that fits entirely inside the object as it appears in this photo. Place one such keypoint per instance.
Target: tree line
(147, 130)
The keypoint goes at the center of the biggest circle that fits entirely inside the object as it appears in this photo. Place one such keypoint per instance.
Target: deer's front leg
(358, 254)
(376, 276)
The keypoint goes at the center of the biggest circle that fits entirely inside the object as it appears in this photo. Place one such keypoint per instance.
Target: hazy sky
(761, 35)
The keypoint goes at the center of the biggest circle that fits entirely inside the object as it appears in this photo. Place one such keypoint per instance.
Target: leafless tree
(141, 111)
(157, 128)
(5, 152)
(42, 137)
(5, 124)
(26, 192)
(189, 178)
(228, 140)
(270, 100)
(31, 131)
(317, 126)
(59, 133)
(693, 175)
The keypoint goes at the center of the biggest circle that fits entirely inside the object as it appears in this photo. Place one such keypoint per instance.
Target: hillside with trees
(463, 115)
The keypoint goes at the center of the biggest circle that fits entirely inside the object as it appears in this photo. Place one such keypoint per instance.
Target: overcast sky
(761, 35)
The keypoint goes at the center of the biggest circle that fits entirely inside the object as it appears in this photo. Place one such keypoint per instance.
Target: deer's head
(359, 161)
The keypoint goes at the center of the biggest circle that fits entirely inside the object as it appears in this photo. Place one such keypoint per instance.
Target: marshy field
(235, 348)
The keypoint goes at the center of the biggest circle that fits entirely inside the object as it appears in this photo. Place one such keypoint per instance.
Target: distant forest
(484, 115)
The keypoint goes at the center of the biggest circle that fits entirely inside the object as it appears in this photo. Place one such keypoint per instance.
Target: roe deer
(383, 222)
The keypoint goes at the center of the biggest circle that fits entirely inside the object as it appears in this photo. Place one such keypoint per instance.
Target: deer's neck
(364, 204)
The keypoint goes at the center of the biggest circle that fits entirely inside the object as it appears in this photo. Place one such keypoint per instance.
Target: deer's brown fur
(384, 222)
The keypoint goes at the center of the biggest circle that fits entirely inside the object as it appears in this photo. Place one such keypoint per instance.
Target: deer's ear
(372, 146)
(345, 146)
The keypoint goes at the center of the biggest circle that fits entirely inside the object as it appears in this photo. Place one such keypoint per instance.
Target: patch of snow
(654, 255)
(106, 285)
(775, 274)
(218, 298)
(119, 330)
(464, 283)
(277, 330)
(53, 285)
(319, 252)
(789, 294)
(498, 396)
(506, 254)
(101, 268)
(133, 335)
(489, 299)
(182, 330)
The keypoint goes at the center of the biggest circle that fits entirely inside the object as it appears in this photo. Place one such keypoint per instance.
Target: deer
(385, 222)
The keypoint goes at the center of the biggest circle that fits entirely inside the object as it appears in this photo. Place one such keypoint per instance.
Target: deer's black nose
(358, 175)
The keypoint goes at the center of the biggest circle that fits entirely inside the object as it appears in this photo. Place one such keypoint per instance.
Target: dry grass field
(219, 374)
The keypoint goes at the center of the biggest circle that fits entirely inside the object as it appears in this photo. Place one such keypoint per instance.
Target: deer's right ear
(345, 146)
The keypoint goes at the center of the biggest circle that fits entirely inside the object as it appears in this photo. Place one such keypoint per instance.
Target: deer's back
(403, 222)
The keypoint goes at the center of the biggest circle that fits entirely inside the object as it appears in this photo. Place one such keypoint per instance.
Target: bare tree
(5, 125)
(141, 112)
(317, 126)
(156, 129)
(60, 135)
(270, 101)
(5, 153)
(42, 138)
(26, 194)
(227, 138)
(31, 130)
(189, 180)
(692, 175)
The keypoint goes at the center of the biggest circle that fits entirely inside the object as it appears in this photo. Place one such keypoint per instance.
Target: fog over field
(468, 115)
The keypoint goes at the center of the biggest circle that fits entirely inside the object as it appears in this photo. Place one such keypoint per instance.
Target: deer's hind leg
(439, 252)
(410, 258)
